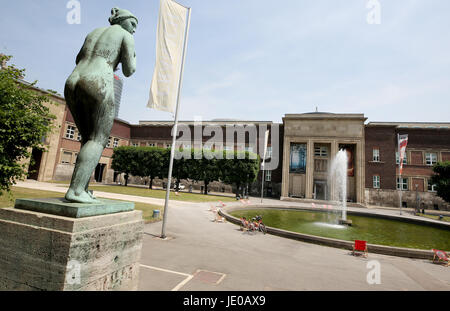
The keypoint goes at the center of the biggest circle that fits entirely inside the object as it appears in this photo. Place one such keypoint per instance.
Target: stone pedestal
(41, 251)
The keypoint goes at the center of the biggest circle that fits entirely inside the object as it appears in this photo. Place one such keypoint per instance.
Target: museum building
(302, 147)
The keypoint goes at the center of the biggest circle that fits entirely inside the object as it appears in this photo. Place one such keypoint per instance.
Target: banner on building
(298, 158)
(402, 142)
(170, 36)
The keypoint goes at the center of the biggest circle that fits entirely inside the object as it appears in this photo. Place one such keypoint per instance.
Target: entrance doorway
(35, 164)
(99, 172)
(115, 176)
(320, 190)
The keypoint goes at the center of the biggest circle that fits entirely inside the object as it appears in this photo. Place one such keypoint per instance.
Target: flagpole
(399, 171)
(175, 126)
(262, 182)
(266, 138)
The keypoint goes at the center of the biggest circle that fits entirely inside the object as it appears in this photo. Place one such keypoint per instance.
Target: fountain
(314, 224)
(337, 179)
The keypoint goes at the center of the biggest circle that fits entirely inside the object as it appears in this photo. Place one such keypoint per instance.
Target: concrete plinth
(61, 207)
(50, 252)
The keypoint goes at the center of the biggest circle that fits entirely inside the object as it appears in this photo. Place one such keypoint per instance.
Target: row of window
(72, 130)
(205, 147)
(402, 183)
(430, 157)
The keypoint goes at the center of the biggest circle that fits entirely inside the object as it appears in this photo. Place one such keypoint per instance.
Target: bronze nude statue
(89, 93)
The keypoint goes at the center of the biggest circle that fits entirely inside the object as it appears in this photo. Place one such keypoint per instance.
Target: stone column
(285, 173)
(360, 172)
(309, 169)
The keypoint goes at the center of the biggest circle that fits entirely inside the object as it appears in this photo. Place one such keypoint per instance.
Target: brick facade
(383, 139)
(425, 141)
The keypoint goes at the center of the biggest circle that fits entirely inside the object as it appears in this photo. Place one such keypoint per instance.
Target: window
(75, 158)
(135, 144)
(70, 132)
(376, 155)
(168, 146)
(430, 158)
(268, 176)
(376, 182)
(116, 142)
(108, 145)
(397, 160)
(402, 183)
(321, 151)
(66, 157)
(431, 187)
(78, 136)
(269, 152)
(151, 144)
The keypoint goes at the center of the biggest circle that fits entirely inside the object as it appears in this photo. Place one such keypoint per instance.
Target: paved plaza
(200, 254)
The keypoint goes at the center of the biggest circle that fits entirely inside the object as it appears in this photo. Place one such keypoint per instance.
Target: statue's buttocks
(89, 93)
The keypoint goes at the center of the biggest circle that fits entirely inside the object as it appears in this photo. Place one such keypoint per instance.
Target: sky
(258, 60)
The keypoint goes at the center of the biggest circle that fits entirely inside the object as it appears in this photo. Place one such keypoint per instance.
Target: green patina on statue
(89, 93)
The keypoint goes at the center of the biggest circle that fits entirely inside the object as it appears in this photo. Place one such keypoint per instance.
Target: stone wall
(63, 172)
(383, 197)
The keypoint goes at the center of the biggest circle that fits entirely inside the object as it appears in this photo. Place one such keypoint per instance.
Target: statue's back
(102, 45)
(89, 93)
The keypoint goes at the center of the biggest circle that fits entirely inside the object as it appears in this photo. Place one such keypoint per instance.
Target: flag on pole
(170, 38)
(402, 142)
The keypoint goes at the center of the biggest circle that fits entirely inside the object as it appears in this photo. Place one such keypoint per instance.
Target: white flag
(170, 38)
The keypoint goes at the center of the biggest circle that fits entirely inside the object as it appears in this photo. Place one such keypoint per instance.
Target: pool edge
(348, 245)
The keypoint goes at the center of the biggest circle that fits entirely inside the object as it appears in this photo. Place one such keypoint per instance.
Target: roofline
(324, 115)
(40, 89)
(189, 122)
(412, 125)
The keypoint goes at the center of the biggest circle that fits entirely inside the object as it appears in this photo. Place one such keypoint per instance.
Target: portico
(311, 140)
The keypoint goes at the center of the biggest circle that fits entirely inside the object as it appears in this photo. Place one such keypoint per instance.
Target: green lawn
(24, 193)
(161, 194)
(435, 217)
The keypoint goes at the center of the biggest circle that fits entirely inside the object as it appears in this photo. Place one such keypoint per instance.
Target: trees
(24, 121)
(151, 162)
(238, 168)
(204, 169)
(441, 179)
(180, 170)
(124, 160)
